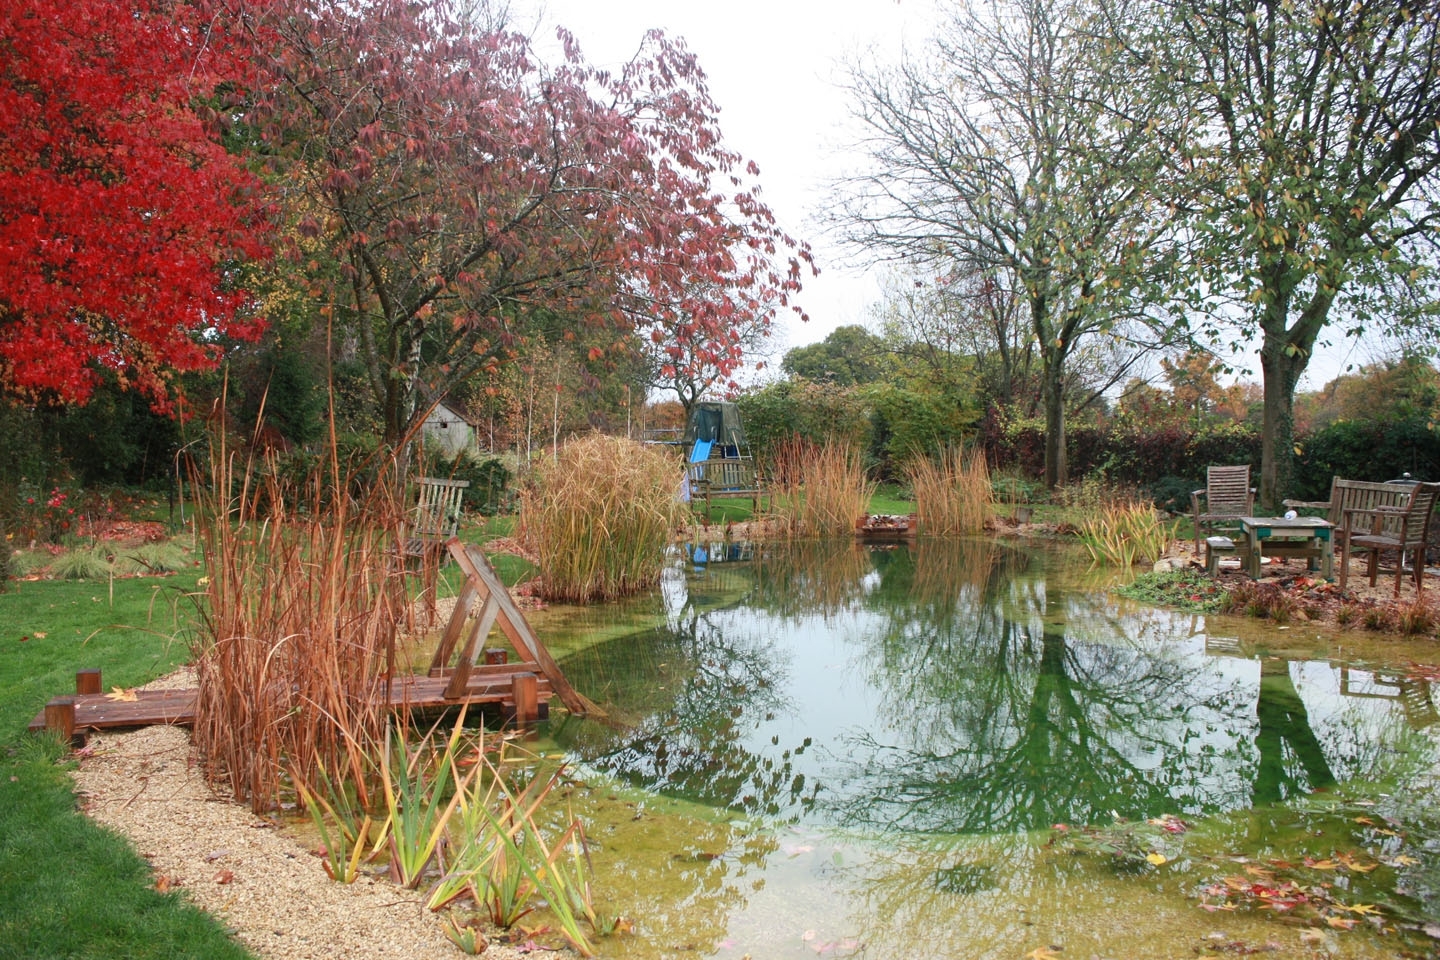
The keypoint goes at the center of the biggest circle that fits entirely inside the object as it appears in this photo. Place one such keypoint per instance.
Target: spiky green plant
(953, 492)
(422, 786)
(340, 819)
(600, 518)
(1126, 532)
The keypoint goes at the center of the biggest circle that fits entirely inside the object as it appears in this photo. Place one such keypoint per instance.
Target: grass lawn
(68, 888)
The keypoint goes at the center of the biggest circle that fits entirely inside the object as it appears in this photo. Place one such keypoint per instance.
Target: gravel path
(259, 880)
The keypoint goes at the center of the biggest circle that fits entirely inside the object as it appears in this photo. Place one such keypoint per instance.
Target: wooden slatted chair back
(1227, 490)
(437, 514)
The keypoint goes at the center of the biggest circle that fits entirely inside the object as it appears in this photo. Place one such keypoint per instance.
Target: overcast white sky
(774, 69)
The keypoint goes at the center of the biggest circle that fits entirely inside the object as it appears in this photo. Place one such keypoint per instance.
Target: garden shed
(448, 430)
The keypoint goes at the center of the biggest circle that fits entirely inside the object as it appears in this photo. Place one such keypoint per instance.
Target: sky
(774, 68)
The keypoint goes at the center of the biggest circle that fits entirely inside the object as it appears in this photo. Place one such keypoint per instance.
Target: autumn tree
(121, 217)
(694, 365)
(459, 187)
(1014, 150)
(1312, 177)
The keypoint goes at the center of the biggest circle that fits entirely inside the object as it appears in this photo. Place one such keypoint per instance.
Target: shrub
(93, 563)
(600, 517)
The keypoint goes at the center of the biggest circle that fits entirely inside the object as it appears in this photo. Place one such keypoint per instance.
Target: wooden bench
(725, 477)
(1349, 498)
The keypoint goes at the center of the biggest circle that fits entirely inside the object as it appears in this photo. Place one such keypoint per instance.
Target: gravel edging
(256, 879)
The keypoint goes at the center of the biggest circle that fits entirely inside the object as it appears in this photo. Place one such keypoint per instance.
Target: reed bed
(953, 493)
(298, 625)
(1125, 532)
(823, 489)
(600, 518)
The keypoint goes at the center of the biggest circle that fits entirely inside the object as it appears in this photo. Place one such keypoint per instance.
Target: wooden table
(1307, 537)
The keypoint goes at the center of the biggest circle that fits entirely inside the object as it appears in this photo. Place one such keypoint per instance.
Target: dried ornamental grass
(953, 493)
(600, 518)
(297, 634)
(824, 489)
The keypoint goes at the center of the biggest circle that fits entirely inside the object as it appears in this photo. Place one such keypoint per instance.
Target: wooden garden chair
(435, 520)
(1227, 497)
(1402, 529)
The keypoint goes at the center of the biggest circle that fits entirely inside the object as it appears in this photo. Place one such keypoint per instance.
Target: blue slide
(701, 453)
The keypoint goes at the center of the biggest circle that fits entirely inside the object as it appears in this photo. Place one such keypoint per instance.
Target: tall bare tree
(1313, 175)
(1012, 148)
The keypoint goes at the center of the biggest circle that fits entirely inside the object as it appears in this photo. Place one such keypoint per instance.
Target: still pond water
(973, 750)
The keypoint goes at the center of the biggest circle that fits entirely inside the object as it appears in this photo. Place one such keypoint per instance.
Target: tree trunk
(1277, 460)
(1056, 466)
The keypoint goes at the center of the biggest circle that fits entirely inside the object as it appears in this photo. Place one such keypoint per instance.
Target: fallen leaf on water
(1156, 858)
(1042, 953)
(1351, 863)
(122, 694)
(1402, 861)
(1365, 820)
(1321, 864)
(1341, 923)
(1360, 908)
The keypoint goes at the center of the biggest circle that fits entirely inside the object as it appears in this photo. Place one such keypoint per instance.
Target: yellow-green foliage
(953, 494)
(600, 517)
(1125, 532)
(827, 490)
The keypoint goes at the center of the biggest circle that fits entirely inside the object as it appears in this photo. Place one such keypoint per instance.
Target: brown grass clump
(298, 627)
(600, 518)
(953, 493)
(824, 490)
(1417, 618)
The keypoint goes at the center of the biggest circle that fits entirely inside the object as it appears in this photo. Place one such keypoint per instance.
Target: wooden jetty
(520, 690)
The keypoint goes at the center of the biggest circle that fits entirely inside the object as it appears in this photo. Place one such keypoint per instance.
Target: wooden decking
(515, 690)
(519, 691)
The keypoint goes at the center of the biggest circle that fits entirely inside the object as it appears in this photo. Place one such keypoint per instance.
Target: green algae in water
(883, 742)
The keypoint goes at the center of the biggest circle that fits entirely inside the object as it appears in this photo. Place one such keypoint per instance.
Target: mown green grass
(68, 888)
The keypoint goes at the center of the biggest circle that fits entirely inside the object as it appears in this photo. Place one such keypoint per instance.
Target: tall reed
(823, 488)
(600, 518)
(298, 624)
(953, 493)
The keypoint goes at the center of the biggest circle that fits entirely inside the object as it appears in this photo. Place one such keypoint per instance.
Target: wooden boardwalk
(519, 691)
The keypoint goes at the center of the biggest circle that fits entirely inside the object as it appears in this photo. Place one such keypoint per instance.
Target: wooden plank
(466, 661)
(463, 603)
(474, 565)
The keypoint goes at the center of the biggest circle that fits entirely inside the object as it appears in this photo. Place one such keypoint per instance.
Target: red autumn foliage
(121, 216)
(465, 193)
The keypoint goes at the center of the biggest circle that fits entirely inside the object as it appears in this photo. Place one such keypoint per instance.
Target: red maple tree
(463, 190)
(122, 219)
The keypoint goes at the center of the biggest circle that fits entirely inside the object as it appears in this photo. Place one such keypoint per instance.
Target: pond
(971, 749)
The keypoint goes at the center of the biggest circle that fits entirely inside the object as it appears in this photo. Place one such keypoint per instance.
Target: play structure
(720, 463)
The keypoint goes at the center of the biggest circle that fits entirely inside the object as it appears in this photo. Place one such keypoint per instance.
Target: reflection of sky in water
(881, 703)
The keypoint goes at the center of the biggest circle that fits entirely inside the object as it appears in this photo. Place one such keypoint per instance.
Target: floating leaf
(1341, 923)
(1042, 953)
(1156, 858)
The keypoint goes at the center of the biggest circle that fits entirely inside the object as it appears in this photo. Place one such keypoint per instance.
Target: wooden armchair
(436, 517)
(1228, 496)
(1400, 529)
